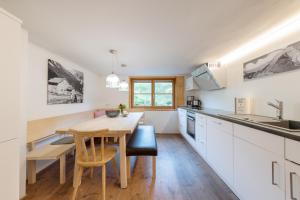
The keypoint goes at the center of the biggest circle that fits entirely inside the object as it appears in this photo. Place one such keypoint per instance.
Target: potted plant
(122, 107)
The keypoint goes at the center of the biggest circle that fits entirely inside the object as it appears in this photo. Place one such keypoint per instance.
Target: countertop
(225, 115)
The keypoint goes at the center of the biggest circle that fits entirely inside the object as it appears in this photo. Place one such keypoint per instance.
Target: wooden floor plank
(181, 175)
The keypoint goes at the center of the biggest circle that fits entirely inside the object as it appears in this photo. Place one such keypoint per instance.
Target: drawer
(292, 149)
(267, 141)
(200, 120)
(220, 124)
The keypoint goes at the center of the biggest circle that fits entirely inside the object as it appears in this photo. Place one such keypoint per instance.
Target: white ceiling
(153, 37)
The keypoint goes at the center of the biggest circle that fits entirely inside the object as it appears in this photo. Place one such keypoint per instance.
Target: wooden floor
(181, 174)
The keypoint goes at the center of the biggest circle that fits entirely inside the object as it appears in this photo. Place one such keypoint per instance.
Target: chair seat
(109, 153)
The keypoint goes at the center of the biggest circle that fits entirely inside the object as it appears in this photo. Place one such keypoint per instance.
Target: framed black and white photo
(65, 85)
(278, 61)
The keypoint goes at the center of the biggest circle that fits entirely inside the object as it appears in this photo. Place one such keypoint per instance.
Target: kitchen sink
(286, 124)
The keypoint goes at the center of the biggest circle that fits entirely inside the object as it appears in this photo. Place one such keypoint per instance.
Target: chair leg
(115, 168)
(128, 167)
(115, 139)
(91, 172)
(77, 181)
(103, 181)
(153, 166)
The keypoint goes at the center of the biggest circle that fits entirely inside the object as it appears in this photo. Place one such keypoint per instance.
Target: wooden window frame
(152, 79)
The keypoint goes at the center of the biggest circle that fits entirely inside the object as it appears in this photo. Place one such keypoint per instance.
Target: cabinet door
(292, 176)
(189, 83)
(220, 152)
(182, 121)
(259, 174)
(10, 51)
(9, 173)
(201, 134)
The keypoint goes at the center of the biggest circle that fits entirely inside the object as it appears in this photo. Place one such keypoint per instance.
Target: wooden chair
(90, 157)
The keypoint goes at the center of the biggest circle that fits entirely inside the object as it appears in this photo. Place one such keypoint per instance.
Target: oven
(191, 124)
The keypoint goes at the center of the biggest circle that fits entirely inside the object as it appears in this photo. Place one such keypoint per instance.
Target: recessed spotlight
(123, 65)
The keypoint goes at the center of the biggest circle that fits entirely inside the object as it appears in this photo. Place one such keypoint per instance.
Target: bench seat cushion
(142, 142)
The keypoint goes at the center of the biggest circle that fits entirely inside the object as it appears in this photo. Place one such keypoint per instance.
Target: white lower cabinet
(200, 129)
(182, 121)
(251, 162)
(258, 164)
(220, 148)
(292, 176)
(9, 164)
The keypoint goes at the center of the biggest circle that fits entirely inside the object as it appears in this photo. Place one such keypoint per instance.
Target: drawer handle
(273, 173)
(292, 185)
(219, 123)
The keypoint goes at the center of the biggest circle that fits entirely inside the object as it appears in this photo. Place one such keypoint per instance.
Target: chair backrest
(83, 156)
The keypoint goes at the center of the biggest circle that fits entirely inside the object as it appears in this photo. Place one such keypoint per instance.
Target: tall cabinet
(10, 62)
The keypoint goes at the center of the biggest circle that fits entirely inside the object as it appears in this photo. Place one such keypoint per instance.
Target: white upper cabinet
(220, 148)
(201, 134)
(10, 62)
(190, 84)
(258, 165)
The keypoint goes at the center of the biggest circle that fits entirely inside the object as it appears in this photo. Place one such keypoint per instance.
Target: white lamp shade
(112, 81)
(123, 86)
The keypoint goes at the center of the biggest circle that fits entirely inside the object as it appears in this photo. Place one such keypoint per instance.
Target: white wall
(163, 121)
(37, 86)
(283, 86)
(34, 96)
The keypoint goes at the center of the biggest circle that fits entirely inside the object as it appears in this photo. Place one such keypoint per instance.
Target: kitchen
(165, 114)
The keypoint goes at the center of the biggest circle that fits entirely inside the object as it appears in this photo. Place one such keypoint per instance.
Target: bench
(142, 143)
(49, 152)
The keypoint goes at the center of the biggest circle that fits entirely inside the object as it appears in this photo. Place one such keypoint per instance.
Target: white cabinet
(220, 148)
(182, 121)
(258, 165)
(200, 129)
(292, 176)
(292, 149)
(10, 65)
(9, 173)
(190, 84)
(10, 54)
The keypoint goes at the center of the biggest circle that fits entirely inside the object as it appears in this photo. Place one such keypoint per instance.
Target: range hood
(210, 76)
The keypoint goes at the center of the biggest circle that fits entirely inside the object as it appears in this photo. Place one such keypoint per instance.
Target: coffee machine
(192, 102)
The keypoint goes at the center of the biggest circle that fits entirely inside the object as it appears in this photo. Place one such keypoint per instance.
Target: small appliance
(189, 101)
(196, 104)
(190, 128)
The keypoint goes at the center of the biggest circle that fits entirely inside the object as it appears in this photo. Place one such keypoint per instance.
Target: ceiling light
(289, 26)
(112, 80)
(123, 86)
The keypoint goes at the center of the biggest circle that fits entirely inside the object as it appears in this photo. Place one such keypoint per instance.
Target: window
(152, 93)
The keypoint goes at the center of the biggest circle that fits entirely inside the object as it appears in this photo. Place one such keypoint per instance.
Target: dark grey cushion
(142, 142)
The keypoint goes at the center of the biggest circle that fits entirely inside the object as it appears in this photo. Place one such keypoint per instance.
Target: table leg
(62, 169)
(31, 171)
(123, 171)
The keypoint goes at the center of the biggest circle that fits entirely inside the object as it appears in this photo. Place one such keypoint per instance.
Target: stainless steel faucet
(278, 107)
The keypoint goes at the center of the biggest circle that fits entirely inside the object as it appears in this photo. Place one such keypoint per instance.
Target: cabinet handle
(273, 173)
(291, 186)
(219, 123)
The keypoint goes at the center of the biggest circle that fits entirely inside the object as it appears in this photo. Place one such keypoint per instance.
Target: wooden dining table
(118, 127)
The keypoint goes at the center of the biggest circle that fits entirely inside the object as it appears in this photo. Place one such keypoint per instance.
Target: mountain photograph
(278, 61)
(64, 85)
